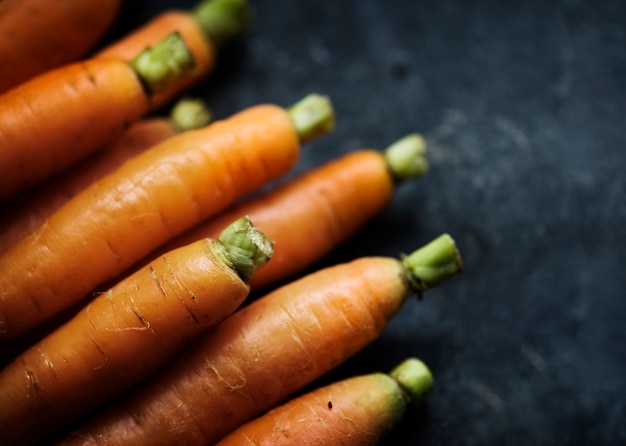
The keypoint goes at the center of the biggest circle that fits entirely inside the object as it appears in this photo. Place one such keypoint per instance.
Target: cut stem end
(433, 263)
(189, 114)
(245, 248)
(223, 20)
(312, 116)
(163, 64)
(415, 379)
(406, 157)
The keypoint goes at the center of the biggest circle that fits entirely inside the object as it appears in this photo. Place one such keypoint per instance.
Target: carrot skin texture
(51, 121)
(332, 202)
(238, 369)
(150, 199)
(120, 337)
(39, 35)
(58, 118)
(364, 409)
(28, 211)
(203, 50)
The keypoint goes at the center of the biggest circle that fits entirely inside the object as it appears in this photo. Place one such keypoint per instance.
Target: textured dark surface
(523, 105)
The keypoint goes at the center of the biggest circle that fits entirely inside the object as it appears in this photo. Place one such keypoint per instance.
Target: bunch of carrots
(134, 226)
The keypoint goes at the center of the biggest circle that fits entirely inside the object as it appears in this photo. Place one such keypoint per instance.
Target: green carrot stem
(414, 378)
(190, 113)
(433, 263)
(163, 64)
(223, 20)
(242, 246)
(312, 116)
(406, 157)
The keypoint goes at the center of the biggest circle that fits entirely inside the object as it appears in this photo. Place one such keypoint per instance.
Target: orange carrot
(268, 350)
(128, 332)
(39, 35)
(150, 199)
(28, 211)
(356, 411)
(205, 28)
(58, 118)
(331, 203)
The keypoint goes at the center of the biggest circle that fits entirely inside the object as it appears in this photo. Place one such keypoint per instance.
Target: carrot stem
(223, 20)
(190, 113)
(312, 116)
(415, 379)
(245, 248)
(433, 263)
(163, 64)
(406, 157)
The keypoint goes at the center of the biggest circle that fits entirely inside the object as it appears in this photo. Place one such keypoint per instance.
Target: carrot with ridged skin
(150, 199)
(60, 117)
(126, 333)
(205, 28)
(356, 411)
(331, 203)
(39, 35)
(29, 210)
(268, 350)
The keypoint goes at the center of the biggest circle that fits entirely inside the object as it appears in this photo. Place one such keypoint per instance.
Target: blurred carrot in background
(38, 35)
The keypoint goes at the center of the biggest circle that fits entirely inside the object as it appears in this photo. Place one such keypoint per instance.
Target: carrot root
(125, 334)
(356, 411)
(264, 353)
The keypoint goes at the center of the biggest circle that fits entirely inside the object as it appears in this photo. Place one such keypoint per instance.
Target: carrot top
(163, 64)
(312, 116)
(223, 20)
(243, 247)
(414, 378)
(406, 157)
(432, 263)
(190, 113)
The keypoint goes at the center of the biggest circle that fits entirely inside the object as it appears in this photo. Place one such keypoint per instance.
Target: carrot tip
(406, 157)
(189, 113)
(415, 379)
(244, 247)
(312, 116)
(433, 263)
(223, 20)
(164, 63)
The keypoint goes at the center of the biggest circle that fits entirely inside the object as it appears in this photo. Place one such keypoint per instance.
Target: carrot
(39, 35)
(356, 411)
(205, 28)
(28, 211)
(129, 331)
(150, 199)
(331, 203)
(58, 118)
(268, 350)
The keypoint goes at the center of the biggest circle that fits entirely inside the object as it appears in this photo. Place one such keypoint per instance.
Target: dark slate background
(523, 107)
